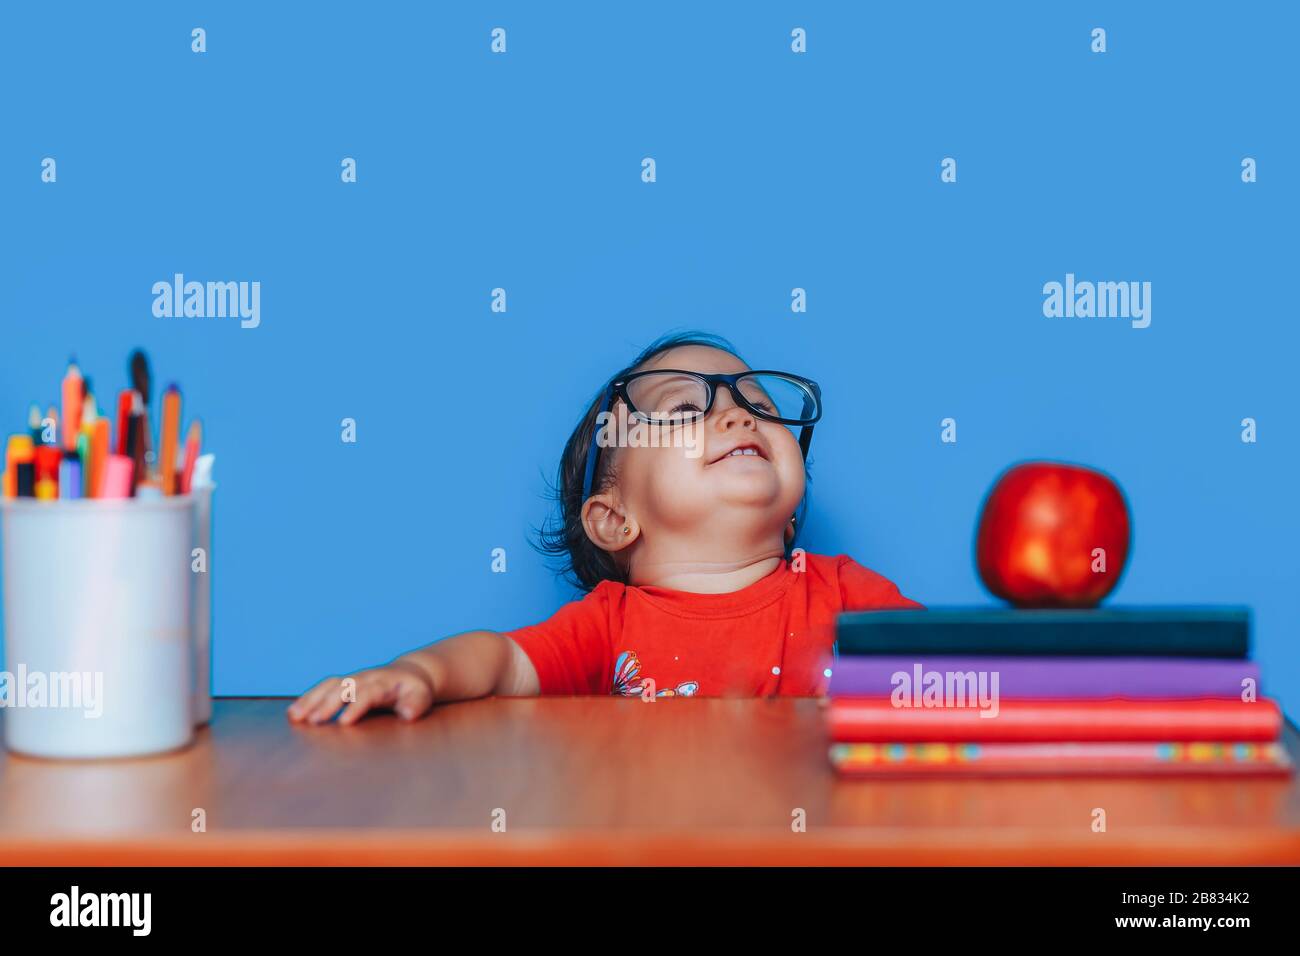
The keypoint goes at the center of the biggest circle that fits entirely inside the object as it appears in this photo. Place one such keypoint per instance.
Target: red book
(879, 720)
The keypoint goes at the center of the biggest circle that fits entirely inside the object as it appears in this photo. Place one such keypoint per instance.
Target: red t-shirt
(773, 638)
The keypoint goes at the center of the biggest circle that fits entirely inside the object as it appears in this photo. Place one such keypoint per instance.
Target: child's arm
(473, 664)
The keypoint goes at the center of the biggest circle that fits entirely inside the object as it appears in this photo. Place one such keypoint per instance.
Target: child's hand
(400, 687)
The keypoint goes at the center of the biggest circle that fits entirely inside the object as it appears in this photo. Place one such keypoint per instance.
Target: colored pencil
(26, 479)
(142, 382)
(46, 459)
(89, 414)
(169, 440)
(34, 424)
(98, 455)
(70, 478)
(73, 399)
(193, 442)
(124, 402)
(83, 458)
(118, 477)
(135, 442)
(18, 450)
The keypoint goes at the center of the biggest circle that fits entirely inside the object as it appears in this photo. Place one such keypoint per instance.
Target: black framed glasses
(670, 397)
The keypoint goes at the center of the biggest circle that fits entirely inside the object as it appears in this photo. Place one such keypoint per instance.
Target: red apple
(1052, 535)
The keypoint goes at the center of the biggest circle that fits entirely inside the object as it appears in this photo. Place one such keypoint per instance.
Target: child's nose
(726, 411)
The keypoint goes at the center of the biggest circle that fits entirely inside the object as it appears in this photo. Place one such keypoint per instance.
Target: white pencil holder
(98, 611)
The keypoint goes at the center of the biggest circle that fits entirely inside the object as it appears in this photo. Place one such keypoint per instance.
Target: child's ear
(606, 525)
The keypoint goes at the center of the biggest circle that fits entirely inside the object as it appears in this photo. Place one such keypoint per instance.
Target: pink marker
(118, 471)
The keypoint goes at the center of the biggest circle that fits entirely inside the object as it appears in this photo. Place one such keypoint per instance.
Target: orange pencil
(98, 455)
(170, 438)
(74, 395)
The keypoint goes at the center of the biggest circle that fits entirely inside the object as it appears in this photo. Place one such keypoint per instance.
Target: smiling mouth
(744, 451)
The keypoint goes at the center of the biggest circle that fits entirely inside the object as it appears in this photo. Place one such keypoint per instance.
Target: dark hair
(564, 537)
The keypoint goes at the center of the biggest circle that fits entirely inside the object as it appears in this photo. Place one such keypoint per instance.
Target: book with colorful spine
(1165, 691)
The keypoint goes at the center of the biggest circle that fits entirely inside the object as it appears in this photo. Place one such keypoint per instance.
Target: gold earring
(626, 529)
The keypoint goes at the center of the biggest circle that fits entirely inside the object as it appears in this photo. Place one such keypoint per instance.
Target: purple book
(1055, 677)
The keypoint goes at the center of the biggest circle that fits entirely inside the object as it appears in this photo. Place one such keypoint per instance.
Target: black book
(1100, 632)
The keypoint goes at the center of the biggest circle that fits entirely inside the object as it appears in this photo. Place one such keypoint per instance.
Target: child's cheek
(790, 463)
(675, 479)
(657, 476)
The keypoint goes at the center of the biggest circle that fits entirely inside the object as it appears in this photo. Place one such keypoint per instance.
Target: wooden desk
(599, 781)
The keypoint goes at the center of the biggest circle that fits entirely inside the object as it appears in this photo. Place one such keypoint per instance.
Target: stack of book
(1043, 692)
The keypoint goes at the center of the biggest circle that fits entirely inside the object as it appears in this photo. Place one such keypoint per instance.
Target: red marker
(46, 459)
(124, 402)
(136, 440)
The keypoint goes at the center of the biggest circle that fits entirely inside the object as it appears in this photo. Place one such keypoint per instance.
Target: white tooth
(751, 451)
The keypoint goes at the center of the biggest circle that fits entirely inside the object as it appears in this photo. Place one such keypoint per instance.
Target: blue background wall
(775, 170)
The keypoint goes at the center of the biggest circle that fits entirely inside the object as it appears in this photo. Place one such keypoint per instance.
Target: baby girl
(680, 493)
